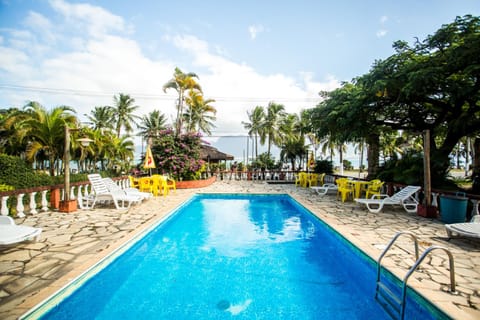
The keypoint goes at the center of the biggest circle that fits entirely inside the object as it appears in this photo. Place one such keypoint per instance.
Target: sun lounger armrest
(380, 196)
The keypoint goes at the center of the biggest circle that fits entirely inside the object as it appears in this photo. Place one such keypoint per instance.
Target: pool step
(390, 299)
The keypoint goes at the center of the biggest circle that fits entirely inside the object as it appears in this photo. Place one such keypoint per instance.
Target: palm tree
(254, 127)
(99, 148)
(328, 147)
(45, 130)
(123, 113)
(181, 82)
(360, 147)
(124, 150)
(84, 155)
(200, 114)
(292, 149)
(271, 125)
(118, 150)
(12, 140)
(152, 124)
(101, 118)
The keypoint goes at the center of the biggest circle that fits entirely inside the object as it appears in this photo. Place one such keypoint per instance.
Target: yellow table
(358, 184)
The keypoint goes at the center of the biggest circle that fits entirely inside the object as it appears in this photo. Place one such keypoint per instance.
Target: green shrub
(347, 165)
(17, 173)
(409, 170)
(178, 156)
(323, 166)
(5, 187)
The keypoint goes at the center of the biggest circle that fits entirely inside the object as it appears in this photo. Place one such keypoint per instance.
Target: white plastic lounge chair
(464, 229)
(403, 197)
(113, 187)
(12, 233)
(323, 190)
(101, 193)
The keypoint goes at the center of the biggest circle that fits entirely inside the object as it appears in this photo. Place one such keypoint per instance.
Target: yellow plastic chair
(169, 183)
(374, 188)
(145, 184)
(320, 179)
(133, 182)
(158, 185)
(345, 189)
(301, 179)
(313, 179)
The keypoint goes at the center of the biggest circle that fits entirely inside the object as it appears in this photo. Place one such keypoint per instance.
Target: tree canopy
(432, 84)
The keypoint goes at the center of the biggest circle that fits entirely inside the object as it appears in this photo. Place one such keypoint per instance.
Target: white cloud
(254, 30)
(96, 20)
(381, 33)
(238, 88)
(101, 63)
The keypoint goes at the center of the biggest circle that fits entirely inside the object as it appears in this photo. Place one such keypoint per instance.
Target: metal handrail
(379, 266)
(415, 266)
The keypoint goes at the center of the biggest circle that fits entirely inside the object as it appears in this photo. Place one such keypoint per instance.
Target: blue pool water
(235, 256)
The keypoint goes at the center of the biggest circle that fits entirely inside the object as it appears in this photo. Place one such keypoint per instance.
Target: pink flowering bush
(179, 156)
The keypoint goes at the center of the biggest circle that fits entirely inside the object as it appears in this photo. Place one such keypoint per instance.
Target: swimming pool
(224, 256)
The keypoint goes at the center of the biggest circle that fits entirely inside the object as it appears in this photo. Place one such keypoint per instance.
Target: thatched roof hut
(213, 155)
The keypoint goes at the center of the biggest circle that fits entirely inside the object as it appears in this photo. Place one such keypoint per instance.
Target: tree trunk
(360, 163)
(476, 157)
(52, 165)
(256, 147)
(467, 156)
(373, 154)
(341, 159)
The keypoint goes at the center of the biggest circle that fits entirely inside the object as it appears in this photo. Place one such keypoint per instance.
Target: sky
(245, 53)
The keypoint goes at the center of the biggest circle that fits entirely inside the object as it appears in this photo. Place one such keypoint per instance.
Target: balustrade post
(33, 203)
(474, 207)
(80, 197)
(4, 209)
(435, 199)
(72, 193)
(20, 206)
(44, 201)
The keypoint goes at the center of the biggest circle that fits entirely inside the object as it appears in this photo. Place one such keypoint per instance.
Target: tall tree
(433, 85)
(152, 125)
(272, 124)
(200, 114)
(254, 127)
(181, 82)
(44, 129)
(12, 140)
(123, 113)
(101, 118)
(292, 132)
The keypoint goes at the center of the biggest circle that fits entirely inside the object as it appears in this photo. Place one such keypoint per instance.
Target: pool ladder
(398, 303)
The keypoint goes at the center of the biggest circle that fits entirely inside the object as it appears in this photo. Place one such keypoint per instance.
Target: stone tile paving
(71, 243)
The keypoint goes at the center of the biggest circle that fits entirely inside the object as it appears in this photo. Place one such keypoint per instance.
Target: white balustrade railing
(29, 203)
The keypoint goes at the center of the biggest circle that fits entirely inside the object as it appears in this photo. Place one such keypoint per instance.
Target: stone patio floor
(71, 243)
